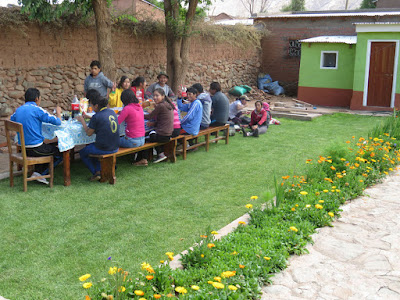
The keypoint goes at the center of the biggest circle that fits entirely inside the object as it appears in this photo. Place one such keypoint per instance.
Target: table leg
(67, 168)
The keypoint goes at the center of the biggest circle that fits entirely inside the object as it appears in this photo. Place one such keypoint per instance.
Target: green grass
(50, 237)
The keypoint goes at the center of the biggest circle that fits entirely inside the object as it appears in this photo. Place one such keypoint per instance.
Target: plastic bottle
(184, 91)
(74, 106)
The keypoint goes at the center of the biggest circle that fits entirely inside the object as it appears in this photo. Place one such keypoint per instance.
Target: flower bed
(238, 265)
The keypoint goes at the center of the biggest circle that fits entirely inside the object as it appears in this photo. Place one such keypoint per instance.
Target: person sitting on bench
(191, 122)
(220, 106)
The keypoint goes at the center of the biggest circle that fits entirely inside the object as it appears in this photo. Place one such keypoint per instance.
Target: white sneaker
(41, 180)
(160, 158)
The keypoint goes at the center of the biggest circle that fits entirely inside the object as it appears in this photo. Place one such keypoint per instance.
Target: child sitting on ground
(31, 116)
(105, 125)
(259, 121)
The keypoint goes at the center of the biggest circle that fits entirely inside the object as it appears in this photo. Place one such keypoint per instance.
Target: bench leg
(207, 141)
(108, 169)
(184, 148)
(170, 150)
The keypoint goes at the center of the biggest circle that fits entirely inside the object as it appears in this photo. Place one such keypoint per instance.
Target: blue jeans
(127, 142)
(93, 163)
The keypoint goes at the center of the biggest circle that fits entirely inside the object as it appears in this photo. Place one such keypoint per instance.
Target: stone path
(358, 258)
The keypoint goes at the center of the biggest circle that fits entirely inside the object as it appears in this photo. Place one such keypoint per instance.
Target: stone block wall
(58, 63)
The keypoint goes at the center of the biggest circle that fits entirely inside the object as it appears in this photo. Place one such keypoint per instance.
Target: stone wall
(57, 63)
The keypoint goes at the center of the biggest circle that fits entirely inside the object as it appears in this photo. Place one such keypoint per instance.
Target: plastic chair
(21, 158)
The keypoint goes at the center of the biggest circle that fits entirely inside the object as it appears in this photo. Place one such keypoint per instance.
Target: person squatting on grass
(205, 100)
(133, 115)
(105, 125)
(31, 116)
(163, 116)
(236, 109)
(191, 122)
(259, 121)
(97, 80)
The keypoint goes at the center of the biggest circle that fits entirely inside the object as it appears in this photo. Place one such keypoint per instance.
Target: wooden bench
(108, 161)
(207, 133)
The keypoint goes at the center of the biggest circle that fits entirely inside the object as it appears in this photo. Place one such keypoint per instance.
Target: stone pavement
(358, 258)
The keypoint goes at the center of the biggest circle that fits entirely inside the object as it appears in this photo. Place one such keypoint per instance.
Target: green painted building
(359, 72)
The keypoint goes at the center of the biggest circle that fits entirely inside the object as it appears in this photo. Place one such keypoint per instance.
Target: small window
(294, 48)
(329, 59)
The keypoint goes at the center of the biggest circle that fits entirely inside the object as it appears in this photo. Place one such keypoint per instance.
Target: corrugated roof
(377, 23)
(235, 21)
(327, 14)
(342, 39)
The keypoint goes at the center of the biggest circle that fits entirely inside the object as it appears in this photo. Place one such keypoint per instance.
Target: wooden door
(381, 68)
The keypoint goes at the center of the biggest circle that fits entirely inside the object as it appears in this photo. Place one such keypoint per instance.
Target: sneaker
(41, 180)
(95, 177)
(255, 133)
(160, 158)
(244, 132)
(141, 163)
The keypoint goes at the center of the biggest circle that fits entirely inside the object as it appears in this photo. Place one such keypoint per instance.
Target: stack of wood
(256, 94)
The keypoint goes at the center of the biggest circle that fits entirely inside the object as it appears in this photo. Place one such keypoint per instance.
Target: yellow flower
(249, 206)
(292, 228)
(210, 282)
(321, 201)
(241, 266)
(293, 209)
(318, 206)
(214, 232)
(337, 191)
(210, 245)
(87, 285)
(217, 279)
(317, 193)
(181, 290)
(122, 289)
(232, 287)
(202, 255)
(331, 214)
(325, 191)
(218, 285)
(234, 253)
(308, 205)
(267, 258)
(157, 296)
(343, 159)
(303, 193)
(112, 270)
(254, 197)
(161, 261)
(242, 223)
(84, 277)
(228, 274)
(149, 277)
(139, 293)
(170, 255)
(195, 287)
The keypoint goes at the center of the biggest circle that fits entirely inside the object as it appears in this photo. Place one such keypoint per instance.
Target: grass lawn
(50, 237)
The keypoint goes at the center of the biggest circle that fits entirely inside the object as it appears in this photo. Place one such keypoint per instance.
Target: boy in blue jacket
(31, 116)
(191, 122)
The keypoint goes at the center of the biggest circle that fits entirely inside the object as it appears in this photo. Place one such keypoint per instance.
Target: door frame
(367, 66)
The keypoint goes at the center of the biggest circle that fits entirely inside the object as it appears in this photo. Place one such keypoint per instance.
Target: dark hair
(95, 63)
(31, 94)
(138, 81)
(192, 90)
(198, 87)
(215, 86)
(162, 93)
(92, 94)
(100, 101)
(128, 96)
(123, 78)
(259, 101)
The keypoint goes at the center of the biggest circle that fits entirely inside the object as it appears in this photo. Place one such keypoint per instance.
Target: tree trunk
(178, 41)
(104, 40)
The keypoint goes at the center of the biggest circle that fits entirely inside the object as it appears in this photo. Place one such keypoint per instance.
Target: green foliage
(365, 4)
(295, 5)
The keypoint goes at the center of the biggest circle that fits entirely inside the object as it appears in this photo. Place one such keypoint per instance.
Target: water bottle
(74, 106)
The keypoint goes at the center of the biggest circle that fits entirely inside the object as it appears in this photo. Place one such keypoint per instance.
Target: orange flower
(157, 296)
(210, 245)
(241, 266)
(149, 277)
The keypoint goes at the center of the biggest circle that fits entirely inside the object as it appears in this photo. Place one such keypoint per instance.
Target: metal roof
(235, 21)
(342, 39)
(329, 14)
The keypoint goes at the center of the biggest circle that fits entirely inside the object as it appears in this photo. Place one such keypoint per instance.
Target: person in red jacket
(259, 121)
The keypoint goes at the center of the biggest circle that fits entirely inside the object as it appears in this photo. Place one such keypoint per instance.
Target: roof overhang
(378, 27)
(336, 39)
